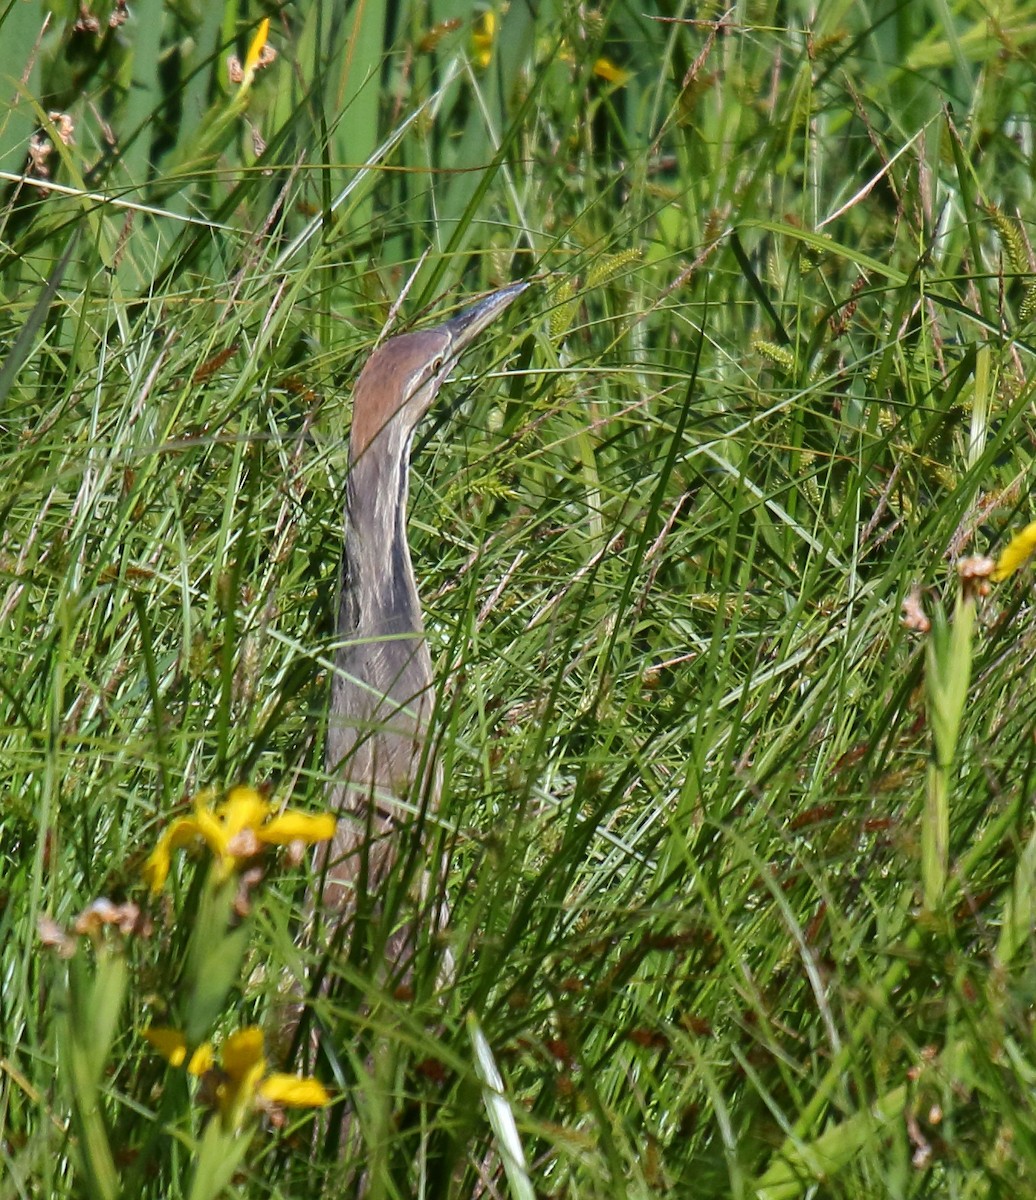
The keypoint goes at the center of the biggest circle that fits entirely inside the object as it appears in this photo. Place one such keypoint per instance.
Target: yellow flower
(201, 1060)
(483, 35)
(255, 53)
(235, 831)
(172, 1046)
(246, 1083)
(1016, 553)
(241, 1082)
(293, 826)
(244, 1066)
(289, 1091)
(604, 68)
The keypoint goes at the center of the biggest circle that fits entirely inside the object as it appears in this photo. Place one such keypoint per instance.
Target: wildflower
(260, 54)
(255, 49)
(604, 68)
(483, 35)
(1016, 553)
(172, 1045)
(241, 1083)
(235, 831)
(246, 1083)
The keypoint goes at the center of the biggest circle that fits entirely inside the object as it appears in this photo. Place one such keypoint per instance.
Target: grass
(741, 866)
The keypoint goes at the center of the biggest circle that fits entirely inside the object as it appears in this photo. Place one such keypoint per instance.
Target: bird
(382, 773)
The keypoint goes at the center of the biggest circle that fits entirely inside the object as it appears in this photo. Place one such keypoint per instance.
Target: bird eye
(437, 365)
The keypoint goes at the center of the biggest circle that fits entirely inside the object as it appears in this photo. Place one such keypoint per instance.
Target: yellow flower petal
(210, 829)
(606, 69)
(242, 1052)
(1016, 553)
(181, 833)
(170, 1043)
(242, 811)
(243, 808)
(156, 870)
(292, 826)
(244, 1066)
(201, 1060)
(483, 35)
(255, 50)
(293, 1092)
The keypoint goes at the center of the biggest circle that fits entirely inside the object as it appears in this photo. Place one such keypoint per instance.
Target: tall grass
(741, 864)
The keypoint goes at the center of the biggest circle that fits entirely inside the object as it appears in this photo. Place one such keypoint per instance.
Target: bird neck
(379, 595)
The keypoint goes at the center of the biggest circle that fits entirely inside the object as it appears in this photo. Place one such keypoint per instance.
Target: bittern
(382, 692)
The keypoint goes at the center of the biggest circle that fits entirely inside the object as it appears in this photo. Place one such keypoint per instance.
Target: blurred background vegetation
(772, 381)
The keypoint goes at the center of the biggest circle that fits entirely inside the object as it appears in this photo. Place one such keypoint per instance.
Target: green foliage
(740, 864)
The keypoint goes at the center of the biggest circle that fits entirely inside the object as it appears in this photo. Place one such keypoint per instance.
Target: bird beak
(465, 327)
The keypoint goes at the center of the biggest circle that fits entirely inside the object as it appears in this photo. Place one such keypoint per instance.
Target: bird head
(401, 379)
